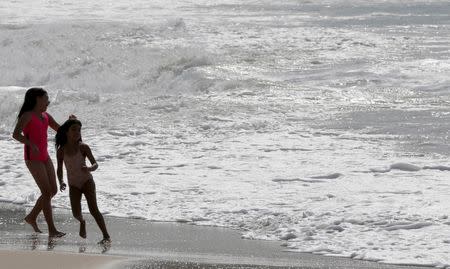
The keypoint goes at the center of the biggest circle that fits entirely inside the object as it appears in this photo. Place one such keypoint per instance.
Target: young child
(31, 130)
(72, 152)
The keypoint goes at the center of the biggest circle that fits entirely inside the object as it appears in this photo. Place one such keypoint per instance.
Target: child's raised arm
(88, 153)
(59, 169)
(52, 123)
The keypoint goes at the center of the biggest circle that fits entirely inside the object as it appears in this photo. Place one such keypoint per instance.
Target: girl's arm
(59, 169)
(17, 133)
(52, 123)
(88, 153)
(21, 123)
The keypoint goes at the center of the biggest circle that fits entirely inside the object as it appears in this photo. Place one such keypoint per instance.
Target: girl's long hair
(30, 100)
(61, 134)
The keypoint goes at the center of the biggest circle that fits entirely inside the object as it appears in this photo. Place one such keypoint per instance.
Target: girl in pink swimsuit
(31, 130)
(73, 153)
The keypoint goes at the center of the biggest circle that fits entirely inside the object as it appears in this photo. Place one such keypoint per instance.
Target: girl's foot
(56, 234)
(33, 224)
(83, 229)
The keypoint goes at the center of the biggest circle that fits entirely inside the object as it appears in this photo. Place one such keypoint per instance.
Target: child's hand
(62, 186)
(85, 168)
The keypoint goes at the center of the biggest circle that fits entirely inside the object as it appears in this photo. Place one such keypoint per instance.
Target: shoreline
(139, 243)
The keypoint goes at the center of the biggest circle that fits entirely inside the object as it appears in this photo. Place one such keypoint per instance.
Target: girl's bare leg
(53, 186)
(51, 176)
(31, 218)
(75, 204)
(91, 198)
(39, 172)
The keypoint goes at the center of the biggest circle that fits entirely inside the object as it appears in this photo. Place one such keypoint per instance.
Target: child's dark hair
(61, 134)
(30, 99)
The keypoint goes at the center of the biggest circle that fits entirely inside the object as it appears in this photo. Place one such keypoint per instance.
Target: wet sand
(16, 259)
(139, 244)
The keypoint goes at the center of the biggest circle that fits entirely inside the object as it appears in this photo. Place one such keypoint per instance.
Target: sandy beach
(13, 259)
(139, 244)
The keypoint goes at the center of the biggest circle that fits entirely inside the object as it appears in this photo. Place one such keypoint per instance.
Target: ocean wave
(102, 58)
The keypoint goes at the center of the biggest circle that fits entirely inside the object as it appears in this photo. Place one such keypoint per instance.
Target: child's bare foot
(33, 224)
(56, 234)
(83, 229)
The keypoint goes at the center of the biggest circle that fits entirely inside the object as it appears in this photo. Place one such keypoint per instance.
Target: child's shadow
(82, 247)
(34, 239)
(52, 242)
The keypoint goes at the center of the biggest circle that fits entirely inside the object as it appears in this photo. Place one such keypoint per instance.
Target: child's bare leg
(31, 218)
(91, 198)
(53, 186)
(75, 204)
(39, 172)
(34, 170)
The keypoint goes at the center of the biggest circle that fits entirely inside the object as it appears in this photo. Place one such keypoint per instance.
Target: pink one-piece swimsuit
(36, 132)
